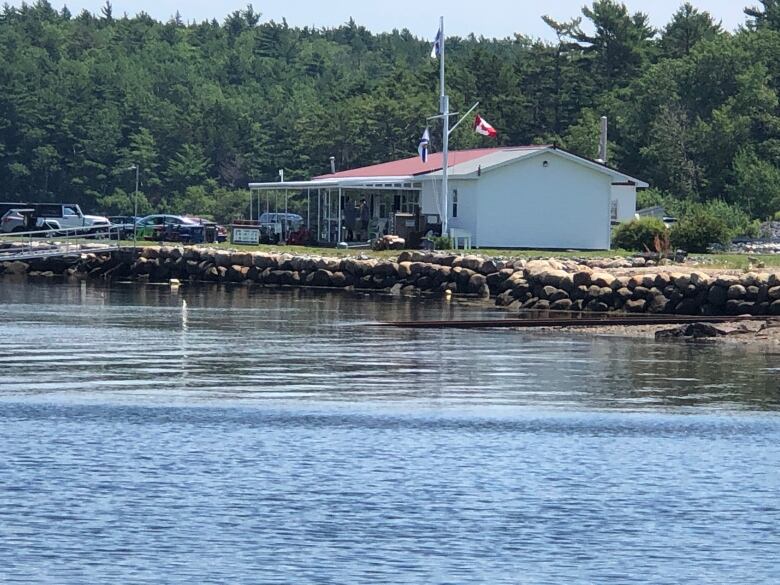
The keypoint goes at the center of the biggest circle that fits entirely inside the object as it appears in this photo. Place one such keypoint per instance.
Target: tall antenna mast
(444, 110)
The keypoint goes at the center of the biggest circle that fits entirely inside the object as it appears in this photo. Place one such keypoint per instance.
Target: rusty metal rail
(572, 322)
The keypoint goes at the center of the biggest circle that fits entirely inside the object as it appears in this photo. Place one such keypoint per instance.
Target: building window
(613, 212)
(454, 203)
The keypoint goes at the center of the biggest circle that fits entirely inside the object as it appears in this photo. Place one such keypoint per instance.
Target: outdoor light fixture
(546, 164)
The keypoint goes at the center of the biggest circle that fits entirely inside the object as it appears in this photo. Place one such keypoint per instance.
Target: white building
(514, 197)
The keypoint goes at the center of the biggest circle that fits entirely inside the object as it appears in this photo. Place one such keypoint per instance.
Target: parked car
(273, 225)
(122, 226)
(25, 220)
(221, 231)
(65, 215)
(177, 228)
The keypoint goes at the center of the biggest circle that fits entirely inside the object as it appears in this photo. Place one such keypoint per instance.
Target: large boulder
(727, 280)
(563, 304)
(263, 261)
(471, 262)
(700, 279)
(658, 304)
(223, 259)
(475, 283)
(582, 278)
(320, 277)
(16, 267)
(737, 291)
(635, 306)
(718, 296)
(688, 306)
(488, 267)
(505, 299)
(554, 277)
(662, 280)
(603, 279)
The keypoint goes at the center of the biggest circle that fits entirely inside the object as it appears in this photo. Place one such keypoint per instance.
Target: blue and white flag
(436, 50)
(423, 147)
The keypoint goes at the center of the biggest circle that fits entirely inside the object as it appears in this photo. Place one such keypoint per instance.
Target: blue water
(235, 436)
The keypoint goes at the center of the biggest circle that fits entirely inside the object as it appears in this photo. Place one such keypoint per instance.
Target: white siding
(467, 205)
(428, 198)
(625, 196)
(527, 205)
(467, 202)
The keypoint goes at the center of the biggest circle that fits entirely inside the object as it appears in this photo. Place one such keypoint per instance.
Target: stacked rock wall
(515, 284)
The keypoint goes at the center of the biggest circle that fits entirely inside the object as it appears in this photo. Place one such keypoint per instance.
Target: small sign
(246, 236)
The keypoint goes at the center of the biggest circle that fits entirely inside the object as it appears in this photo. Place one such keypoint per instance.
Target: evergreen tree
(766, 15)
(688, 27)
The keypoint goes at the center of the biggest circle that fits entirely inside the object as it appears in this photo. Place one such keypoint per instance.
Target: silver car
(24, 220)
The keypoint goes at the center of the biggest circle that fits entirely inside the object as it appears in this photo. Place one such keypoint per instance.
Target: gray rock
(581, 278)
(476, 282)
(687, 307)
(718, 296)
(690, 330)
(488, 267)
(561, 305)
(635, 306)
(659, 304)
(736, 291)
(558, 295)
(505, 299)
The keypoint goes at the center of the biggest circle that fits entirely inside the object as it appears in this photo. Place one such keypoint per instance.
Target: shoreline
(631, 286)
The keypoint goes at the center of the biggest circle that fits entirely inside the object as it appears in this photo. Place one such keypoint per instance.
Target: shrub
(441, 243)
(700, 229)
(639, 234)
(777, 216)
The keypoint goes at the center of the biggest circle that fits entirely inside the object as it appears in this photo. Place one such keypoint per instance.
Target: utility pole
(137, 169)
(444, 110)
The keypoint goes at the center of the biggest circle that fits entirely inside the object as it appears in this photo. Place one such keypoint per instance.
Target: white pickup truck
(69, 215)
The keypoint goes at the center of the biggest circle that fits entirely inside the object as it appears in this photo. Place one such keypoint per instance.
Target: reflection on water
(291, 344)
(246, 436)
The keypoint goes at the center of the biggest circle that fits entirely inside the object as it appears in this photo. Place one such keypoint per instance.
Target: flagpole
(474, 107)
(444, 109)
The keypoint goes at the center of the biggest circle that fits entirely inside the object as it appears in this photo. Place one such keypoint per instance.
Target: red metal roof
(414, 166)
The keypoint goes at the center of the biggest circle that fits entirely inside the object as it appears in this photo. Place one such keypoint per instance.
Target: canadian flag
(482, 127)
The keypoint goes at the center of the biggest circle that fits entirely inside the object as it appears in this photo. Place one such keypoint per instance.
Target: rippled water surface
(252, 436)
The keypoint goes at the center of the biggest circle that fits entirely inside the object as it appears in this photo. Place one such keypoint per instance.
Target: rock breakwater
(541, 285)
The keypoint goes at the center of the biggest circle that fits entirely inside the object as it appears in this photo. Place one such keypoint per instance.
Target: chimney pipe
(333, 164)
(603, 141)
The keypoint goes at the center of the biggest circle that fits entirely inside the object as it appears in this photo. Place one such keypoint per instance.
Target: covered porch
(355, 211)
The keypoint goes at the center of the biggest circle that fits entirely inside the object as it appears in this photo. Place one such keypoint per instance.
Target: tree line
(203, 108)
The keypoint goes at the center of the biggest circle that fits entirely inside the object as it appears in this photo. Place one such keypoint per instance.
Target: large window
(454, 203)
(613, 211)
(410, 201)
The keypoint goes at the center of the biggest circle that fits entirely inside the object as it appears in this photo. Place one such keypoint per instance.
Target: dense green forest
(205, 108)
